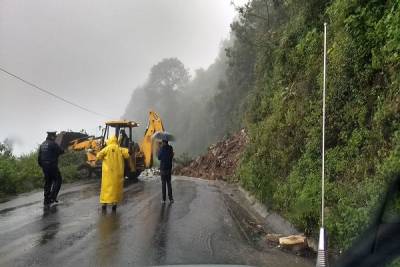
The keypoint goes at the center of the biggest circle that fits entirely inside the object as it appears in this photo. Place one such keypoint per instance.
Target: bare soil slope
(219, 162)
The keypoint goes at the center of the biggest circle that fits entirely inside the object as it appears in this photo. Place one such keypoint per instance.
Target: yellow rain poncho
(112, 179)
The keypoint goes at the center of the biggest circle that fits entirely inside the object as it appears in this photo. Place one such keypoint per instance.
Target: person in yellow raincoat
(112, 179)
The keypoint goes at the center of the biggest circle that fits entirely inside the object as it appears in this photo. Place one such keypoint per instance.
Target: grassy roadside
(23, 174)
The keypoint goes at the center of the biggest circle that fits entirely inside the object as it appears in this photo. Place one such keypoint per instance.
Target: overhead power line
(52, 94)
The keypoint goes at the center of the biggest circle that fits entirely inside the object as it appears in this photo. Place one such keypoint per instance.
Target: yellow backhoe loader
(141, 153)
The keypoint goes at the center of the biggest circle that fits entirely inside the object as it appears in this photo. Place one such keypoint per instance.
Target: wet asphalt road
(197, 229)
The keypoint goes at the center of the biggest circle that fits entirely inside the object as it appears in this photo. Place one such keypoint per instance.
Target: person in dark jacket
(165, 155)
(49, 151)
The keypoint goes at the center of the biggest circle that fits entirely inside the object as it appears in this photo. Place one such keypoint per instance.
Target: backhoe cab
(123, 130)
(141, 154)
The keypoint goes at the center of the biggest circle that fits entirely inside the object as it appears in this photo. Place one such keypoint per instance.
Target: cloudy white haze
(94, 53)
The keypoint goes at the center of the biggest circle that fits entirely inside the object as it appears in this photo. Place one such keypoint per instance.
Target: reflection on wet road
(107, 226)
(196, 229)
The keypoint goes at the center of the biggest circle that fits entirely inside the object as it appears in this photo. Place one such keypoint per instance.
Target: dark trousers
(52, 182)
(166, 183)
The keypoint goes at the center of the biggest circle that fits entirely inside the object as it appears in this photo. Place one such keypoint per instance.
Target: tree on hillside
(163, 88)
(162, 92)
(182, 103)
(168, 75)
(6, 148)
(165, 79)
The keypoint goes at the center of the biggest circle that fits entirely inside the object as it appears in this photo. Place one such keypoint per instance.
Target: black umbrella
(164, 136)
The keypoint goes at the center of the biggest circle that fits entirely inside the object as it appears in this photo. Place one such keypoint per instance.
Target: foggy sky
(94, 53)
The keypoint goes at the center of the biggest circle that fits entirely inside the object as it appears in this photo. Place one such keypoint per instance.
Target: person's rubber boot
(46, 203)
(114, 208)
(104, 208)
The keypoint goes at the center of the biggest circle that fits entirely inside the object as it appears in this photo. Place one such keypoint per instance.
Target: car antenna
(322, 259)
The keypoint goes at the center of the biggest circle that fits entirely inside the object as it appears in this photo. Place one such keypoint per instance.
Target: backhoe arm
(154, 125)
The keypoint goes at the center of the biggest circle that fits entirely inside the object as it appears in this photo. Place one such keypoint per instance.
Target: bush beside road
(22, 174)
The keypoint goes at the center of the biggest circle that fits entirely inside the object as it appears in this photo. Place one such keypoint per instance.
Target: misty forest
(267, 80)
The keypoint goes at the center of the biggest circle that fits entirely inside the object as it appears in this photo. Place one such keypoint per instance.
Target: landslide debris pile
(219, 162)
(150, 172)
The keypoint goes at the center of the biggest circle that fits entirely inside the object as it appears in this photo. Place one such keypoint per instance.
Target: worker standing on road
(112, 180)
(49, 151)
(165, 155)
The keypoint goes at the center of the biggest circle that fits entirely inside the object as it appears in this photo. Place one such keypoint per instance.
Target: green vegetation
(270, 81)
(22, 174)
(283, 107)
(268, 78)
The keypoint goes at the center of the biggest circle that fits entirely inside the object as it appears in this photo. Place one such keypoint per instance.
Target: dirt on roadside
(219, 162)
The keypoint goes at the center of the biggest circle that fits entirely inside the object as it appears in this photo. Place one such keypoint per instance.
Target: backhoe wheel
(133, 176)
(84, 171)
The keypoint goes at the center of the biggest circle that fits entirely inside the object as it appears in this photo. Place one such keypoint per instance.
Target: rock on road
(197, 229)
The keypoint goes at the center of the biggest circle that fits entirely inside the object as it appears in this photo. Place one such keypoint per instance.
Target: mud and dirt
(219, 162)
